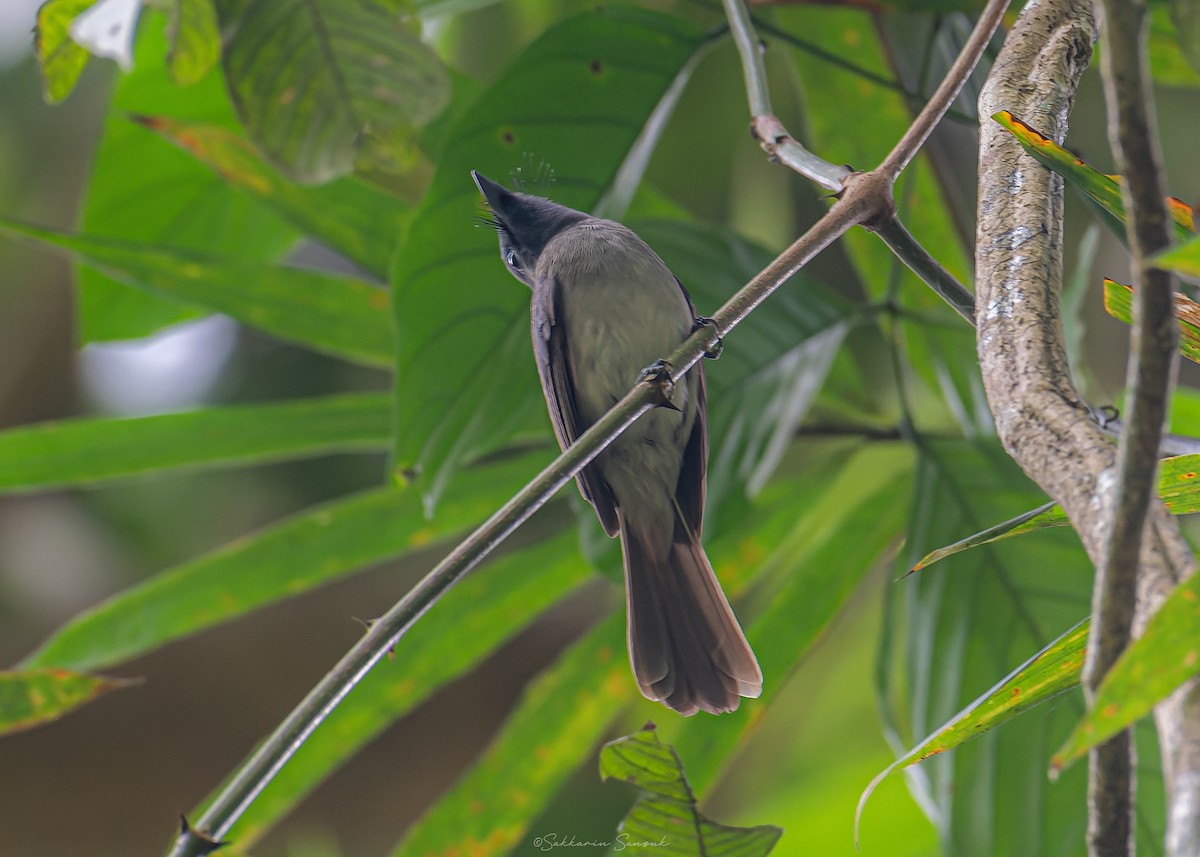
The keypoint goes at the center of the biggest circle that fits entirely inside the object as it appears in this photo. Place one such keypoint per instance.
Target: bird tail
(686, 646)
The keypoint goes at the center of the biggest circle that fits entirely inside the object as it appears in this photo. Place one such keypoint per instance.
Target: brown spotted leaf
(29, 698)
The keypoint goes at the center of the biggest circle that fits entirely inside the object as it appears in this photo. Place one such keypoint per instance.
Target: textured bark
(1040, 417)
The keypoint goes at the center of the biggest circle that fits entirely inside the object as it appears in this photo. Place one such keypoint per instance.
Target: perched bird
(604, 307)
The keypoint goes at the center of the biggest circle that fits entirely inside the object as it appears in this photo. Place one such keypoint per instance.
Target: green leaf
(334, 314)
(1046, 515)
(1103, 190)
(1054, 670)
(59, 58)
(473, 619)
(96, 450)
(348, 215)
(666, 816)
(30, 698)
(315, 79)
(1183, 259)
(292, 556)
(1164, 657)
(578, 97)
(144, 191)
(558, 721)
(195, 41)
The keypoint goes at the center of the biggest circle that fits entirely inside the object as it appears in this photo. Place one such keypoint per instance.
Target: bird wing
(558, 386)
(691, 487)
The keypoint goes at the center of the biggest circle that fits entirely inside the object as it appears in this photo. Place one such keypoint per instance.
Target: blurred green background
(111, 778)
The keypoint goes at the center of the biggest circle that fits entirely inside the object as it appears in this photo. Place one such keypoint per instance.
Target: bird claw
(658, 374)
(715, 351)
(1103, 415)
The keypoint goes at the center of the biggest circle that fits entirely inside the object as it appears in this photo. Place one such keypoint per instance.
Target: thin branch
(918, 132)
(901, 242)
(1111, 786)
(766, 127)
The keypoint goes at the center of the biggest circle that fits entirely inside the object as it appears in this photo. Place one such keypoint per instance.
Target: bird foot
(658, 374)
(715, 351)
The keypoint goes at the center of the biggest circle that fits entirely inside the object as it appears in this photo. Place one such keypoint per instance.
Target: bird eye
(513, 262)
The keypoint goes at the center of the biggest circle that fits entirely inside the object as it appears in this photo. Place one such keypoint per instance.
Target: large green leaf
(336, 314)
(30, 698)
(666, 816)
(1164, 657)
(348, 215)
(561, 717)
(577, 99)
(955, 631)
(290, 557)
(318, 82)
(143, 190)
(463, 629)
(93, 450)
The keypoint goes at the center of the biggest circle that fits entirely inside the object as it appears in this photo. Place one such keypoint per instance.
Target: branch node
(871, 194)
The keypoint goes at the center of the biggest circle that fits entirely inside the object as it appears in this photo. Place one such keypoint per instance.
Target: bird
(605, 307)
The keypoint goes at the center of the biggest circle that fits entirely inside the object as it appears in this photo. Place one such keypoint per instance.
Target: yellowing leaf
(1103, 190)
(1118, 301)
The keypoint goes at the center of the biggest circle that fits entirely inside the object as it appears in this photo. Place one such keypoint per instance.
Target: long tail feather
(686, 646)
